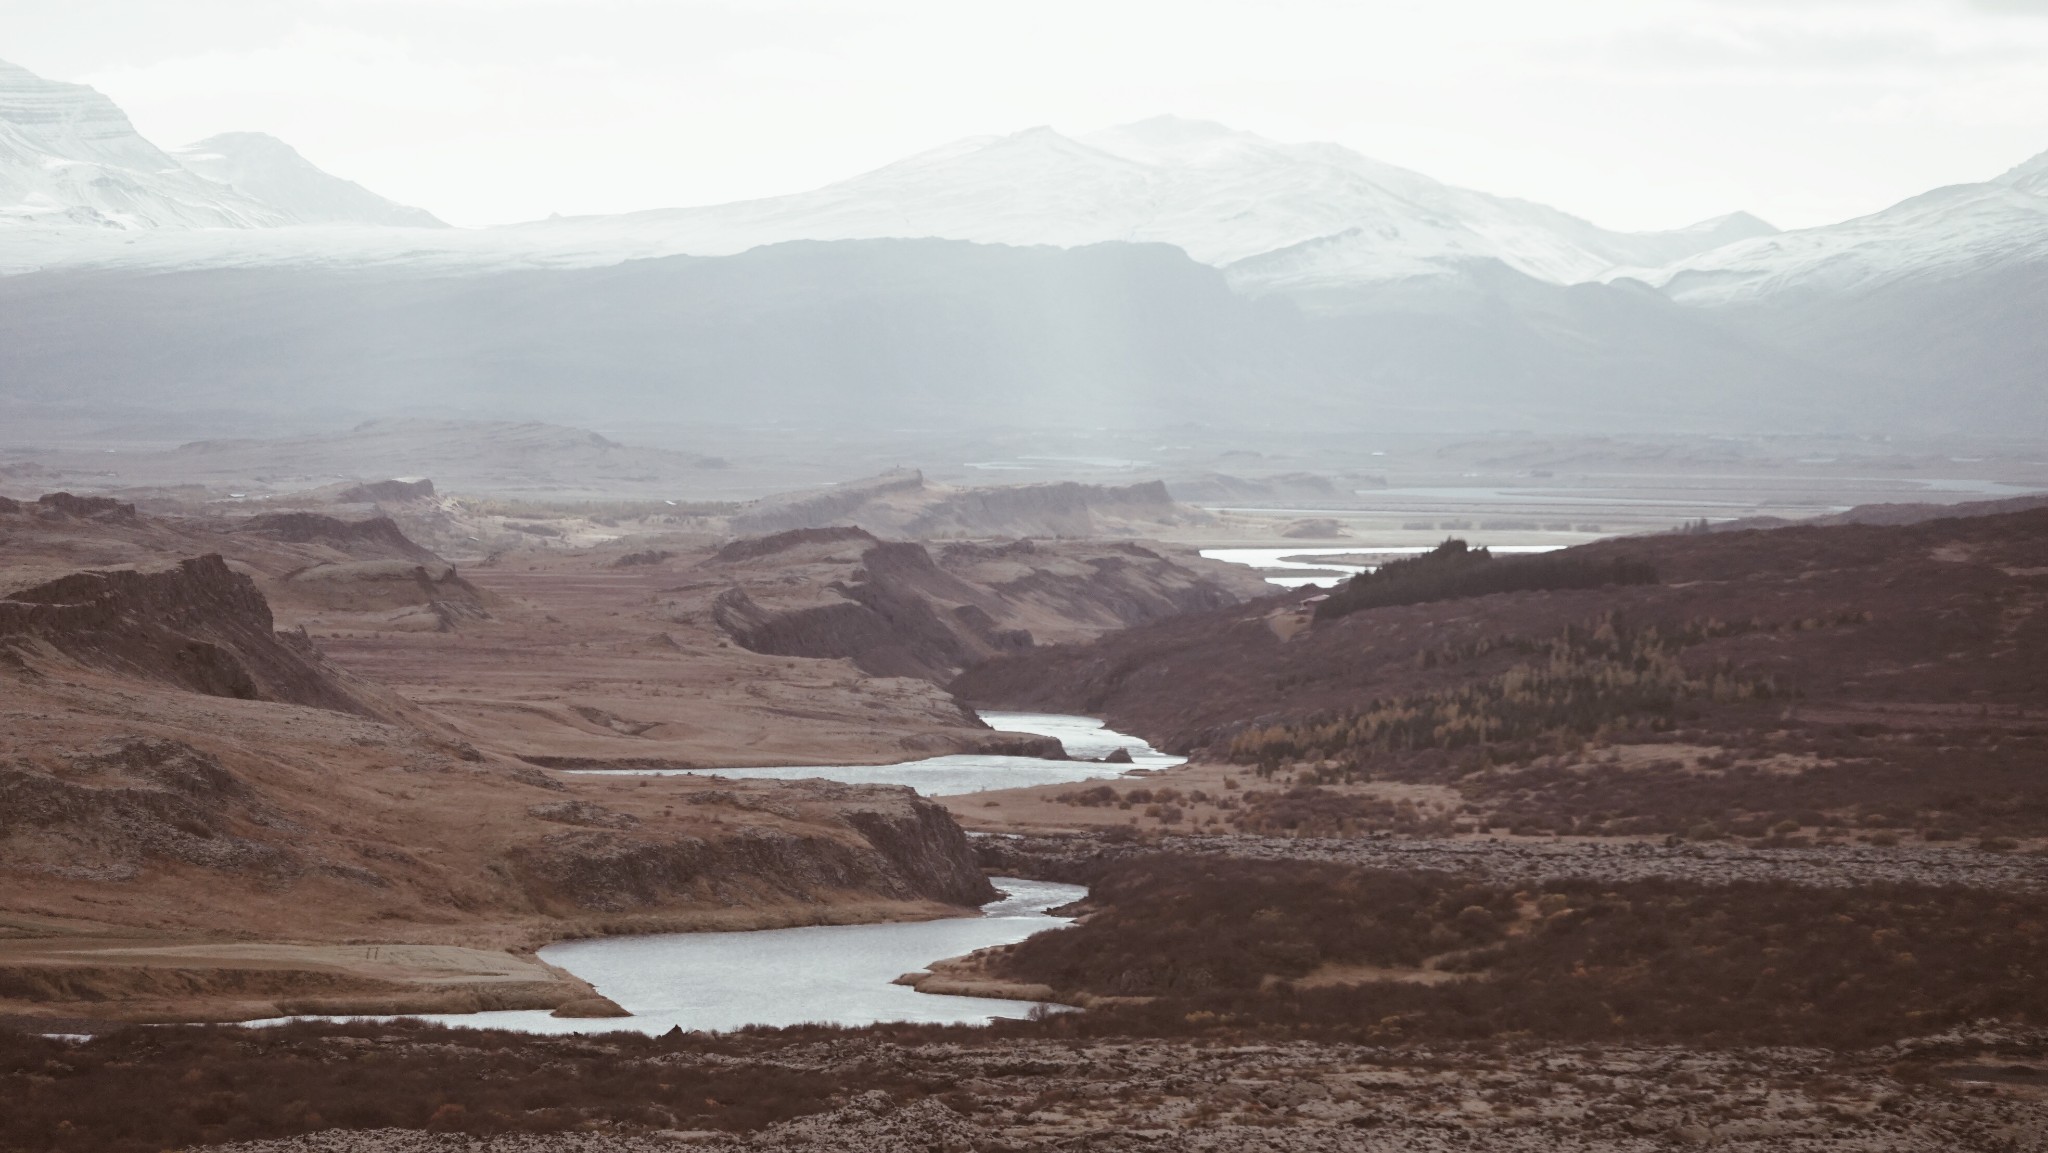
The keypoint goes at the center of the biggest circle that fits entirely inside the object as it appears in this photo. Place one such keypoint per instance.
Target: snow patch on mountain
(70, 158)
(1220, 194)
(1946, 234)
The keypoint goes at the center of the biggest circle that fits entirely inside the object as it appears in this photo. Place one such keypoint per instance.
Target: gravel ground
(1834, 866)
(1965, 1091)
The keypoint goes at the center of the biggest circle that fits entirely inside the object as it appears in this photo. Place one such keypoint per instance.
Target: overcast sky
(1633, 113)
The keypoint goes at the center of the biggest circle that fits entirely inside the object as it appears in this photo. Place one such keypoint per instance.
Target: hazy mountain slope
(1948, 233)
(1935, 302)
(69, 157)
(903, 334)
(269, 170)
(919, 335)
(1219, 194)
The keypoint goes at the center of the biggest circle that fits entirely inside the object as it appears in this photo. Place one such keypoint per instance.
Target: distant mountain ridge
(1169, 269)
(1222, 195)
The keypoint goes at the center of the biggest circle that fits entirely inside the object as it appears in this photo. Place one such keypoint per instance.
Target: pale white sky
(1633, 113)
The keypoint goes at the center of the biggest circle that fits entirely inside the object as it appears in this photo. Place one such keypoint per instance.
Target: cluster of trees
(1454, 569)
(1598, 677)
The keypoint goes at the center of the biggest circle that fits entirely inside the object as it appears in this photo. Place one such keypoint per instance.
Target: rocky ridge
(897, 609)
(200, 626)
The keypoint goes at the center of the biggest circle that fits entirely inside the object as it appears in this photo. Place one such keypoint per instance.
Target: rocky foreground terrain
(1968, 1090)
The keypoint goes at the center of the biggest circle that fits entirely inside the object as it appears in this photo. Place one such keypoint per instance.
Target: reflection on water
(830, 974)
(970, 772)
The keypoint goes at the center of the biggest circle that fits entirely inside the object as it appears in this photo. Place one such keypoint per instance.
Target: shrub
(1671, 961)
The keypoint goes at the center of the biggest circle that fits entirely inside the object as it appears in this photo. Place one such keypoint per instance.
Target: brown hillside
(1893, 678)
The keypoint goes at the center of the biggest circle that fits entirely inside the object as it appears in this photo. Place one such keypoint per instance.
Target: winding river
(833, 974)
(829, 974)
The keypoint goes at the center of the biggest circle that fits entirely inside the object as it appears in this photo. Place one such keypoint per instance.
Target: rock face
(394, 490)
(199, 626)
(63, 504)
(901, 846)
(431, 597)
(896, 610)
(839, 505)
(378, 535)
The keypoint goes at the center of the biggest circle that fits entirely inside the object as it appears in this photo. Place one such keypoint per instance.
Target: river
(971, 772)
(830, 974)
(833, 974)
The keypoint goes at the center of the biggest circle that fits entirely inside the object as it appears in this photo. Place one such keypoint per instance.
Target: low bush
(143, 1090)
(1772, 964)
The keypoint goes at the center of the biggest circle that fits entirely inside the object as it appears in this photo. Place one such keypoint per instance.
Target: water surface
(831, 974)
(1297, 568)
(969, 772)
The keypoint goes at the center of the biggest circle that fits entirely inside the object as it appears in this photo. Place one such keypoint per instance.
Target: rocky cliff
(199, 626)
(372, 538)
(895, 609)
(875, 842)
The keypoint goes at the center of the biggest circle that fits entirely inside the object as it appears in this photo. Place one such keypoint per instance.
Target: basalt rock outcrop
(377, 536)
(899, 846)
(426, 596)
(896, 609)
(64, 504)
(383, 490)
(200, 626)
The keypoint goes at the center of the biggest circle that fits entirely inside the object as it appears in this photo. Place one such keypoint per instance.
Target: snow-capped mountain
(1222, 195)
(1946, 234)
(72, 166)
(69, 157)
(267, 169)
